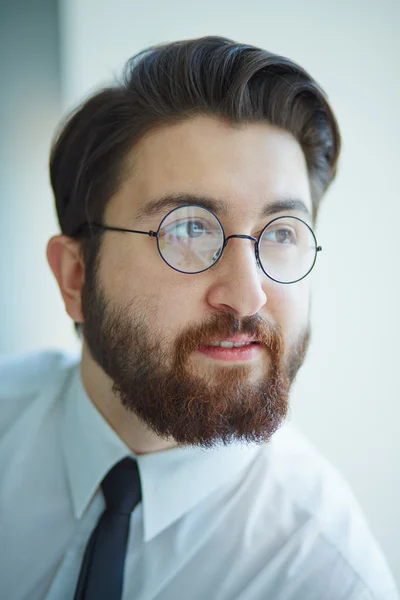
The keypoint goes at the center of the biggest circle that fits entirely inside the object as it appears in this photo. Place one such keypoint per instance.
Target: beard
(160, 387)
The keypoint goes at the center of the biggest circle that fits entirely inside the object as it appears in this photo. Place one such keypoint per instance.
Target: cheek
(179, 302)
(129, 267)
(168, 300)
(289, 306)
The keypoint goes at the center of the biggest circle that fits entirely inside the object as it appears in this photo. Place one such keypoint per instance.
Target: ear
(63, 255)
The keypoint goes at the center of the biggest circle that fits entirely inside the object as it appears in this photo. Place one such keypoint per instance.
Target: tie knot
(121, 487)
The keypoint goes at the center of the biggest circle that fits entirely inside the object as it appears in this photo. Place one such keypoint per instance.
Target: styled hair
(171, 82)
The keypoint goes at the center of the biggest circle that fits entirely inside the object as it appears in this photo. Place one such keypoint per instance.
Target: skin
(245, 166)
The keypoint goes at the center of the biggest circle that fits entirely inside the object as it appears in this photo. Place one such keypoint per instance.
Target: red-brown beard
(218, 407)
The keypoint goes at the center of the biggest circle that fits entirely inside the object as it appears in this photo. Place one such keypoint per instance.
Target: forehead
(245, 166)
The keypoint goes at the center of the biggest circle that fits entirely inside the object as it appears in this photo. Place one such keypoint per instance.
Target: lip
(236, 339)
(241, 354)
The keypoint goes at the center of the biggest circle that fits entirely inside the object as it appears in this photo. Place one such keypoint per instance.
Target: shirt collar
(91, 447)
(173, 481)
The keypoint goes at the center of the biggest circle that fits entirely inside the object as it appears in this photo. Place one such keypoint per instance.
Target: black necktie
(102, 570)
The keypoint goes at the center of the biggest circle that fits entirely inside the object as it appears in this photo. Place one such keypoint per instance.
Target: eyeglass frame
(256, 240)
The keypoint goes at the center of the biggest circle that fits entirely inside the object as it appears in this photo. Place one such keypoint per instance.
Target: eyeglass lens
(191, 239)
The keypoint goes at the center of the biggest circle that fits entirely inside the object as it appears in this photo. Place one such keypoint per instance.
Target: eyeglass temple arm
(108, 228)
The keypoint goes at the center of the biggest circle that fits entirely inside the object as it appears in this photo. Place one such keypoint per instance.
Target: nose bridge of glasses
(244, 237)
(241, 237)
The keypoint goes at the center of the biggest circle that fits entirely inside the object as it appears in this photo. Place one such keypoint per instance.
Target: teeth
(230, 344)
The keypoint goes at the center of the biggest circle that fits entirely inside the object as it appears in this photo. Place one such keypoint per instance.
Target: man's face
(150, 327)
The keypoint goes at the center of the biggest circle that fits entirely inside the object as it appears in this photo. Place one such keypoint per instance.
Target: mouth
(233, 349)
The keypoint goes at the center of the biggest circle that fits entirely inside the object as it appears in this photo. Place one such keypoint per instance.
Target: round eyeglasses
(191, 239)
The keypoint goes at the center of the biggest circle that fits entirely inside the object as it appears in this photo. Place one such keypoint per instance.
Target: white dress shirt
(272, 521)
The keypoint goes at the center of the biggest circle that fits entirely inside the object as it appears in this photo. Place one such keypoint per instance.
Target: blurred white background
(346, 397)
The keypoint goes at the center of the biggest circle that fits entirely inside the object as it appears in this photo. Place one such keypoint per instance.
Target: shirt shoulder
(24, 377)
(324, 513)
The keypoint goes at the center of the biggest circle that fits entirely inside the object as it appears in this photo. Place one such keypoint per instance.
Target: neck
(133, 432)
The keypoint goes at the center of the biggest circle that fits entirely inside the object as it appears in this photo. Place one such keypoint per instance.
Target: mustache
(225, 325)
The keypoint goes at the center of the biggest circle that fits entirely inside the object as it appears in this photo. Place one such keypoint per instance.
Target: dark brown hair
(171, 82)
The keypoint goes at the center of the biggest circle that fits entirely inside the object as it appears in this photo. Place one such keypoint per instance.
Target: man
(155, 466)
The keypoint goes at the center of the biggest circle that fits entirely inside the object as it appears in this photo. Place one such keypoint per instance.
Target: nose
(238, 282)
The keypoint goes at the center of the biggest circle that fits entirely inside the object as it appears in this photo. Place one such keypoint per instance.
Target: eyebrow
(158, 206)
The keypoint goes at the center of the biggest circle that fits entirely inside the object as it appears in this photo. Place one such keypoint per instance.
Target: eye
(191, 229)
(283, 235)
(188, 228)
